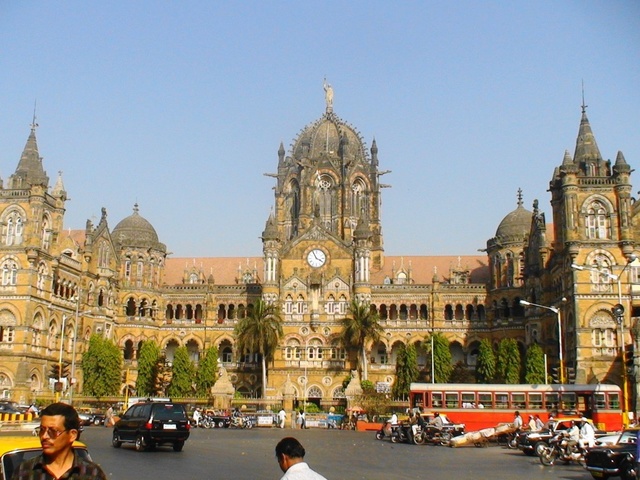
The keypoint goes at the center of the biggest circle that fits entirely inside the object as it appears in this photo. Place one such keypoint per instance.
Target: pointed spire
(281, 153)
(30, 171)
(270, 230)
(586, 146)
(58, 188)
(621, 165)
(567, 160)
(374, 153)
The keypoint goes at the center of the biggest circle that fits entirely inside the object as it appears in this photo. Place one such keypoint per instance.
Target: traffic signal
(555, 374)
(66, 373)
(55, 371)
(618, 310)
(628, 358)
(571, 375)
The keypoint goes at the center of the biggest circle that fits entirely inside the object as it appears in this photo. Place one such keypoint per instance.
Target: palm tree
(260, 332)
(360, 327)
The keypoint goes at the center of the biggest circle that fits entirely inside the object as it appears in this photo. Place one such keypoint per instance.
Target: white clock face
(316, 258)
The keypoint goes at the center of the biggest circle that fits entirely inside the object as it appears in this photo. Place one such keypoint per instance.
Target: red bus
(481, 406)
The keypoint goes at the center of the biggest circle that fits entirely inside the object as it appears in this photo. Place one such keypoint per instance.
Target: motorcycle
(241, 422)
(395, 433)
(431, 434)
(559, 448)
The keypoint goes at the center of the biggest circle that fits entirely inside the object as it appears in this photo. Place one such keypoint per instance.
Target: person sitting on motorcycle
(236, 416)
(418, 422)
(197, 416)
(517, 421)
(572, 436)
(587, 434)
(389, 424)
(437, 421)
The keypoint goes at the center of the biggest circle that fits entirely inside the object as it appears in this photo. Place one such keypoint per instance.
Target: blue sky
(181, 106)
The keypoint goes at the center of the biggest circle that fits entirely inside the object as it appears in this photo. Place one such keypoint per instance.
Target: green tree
(534, 365)
(162, 377)
(406, 370)
(486, 362)
(260, 332)
(508, 364)
(207, 372)
(359, 327)
(461, 374)
(183, 374)
(147, 369)
(441, 356)
(102, 367)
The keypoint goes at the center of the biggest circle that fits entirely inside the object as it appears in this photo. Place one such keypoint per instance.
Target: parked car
(7, 406)
(617, 460)
(14, 450)
(531, 442)
(148, 424)
(88, 416)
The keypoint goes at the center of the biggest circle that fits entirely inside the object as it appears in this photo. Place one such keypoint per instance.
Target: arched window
(359, 204)
(324, 201)
(330, 305)
(9, 272)
(596, 222)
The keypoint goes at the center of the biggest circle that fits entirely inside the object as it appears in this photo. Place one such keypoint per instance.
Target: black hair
(71, 418)
(290, 447)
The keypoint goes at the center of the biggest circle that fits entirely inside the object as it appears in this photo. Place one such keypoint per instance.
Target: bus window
(535, 401)
(568, 400)
(468, 400)
(551, 401)
(436, 400)
(599, 400)
(451, 399)
(484, 400)
(614, 400)
(502, 400)
(517, 400)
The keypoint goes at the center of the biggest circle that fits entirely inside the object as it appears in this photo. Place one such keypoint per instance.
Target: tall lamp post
(58, 385)
(618, 312)
(555, 310)
(73, 357)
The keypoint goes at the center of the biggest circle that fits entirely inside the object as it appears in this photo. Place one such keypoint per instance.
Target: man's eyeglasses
(50, 431)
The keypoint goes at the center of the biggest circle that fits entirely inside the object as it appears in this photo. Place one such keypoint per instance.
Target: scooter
(396, 433)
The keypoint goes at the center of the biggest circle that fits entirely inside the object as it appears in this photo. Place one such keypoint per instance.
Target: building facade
(322, 247)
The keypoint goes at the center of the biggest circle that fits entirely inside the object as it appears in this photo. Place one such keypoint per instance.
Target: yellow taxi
(16, 449)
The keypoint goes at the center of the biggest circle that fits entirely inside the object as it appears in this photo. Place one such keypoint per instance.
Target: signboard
(383, 387)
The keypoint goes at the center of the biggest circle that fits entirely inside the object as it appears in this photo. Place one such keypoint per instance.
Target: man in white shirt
(587, 434)
(282, 416)
(290, 455)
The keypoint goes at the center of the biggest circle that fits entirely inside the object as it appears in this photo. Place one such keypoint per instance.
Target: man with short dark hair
(290, 455)
(59, 428)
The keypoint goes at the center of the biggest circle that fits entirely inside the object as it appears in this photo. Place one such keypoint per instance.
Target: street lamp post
(73, 358)
(618, 311)
(58, 386)
(555, 310)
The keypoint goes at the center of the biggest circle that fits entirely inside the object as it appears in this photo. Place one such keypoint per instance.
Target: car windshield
(628, 436)
(168, 412)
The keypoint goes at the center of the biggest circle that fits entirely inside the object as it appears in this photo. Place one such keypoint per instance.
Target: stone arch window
(516, 308)
(170, 349)
(179, 312)
(193, 279)
(510, 270)
(338, 393)
(36, 336)
(226, 352)
(413, 312)
(338, 352)
(292, 350)
(404, 313)
(130, 307)
(127, 268)
(144, 307)
(343, 305)
(314, 392)
(14, 227)
(481, 313)
(424, 312)
(301, 305)
(380, 354)
(384, 313)
(504, 306)
(128, 350)
(101, 298)
(468, 312)
(189, 311)
(5, 385)
(359, 199)
(448, 312)
(242, 311)
(393, 312)
(198, 313)
(596, 221)
(314, 350)
(232, 312)
(459, 313)
(222, 313)
(497, 270)
(194, 351)
(325, 201)
(601, 267)
(288, 305)
(330, 305)
(9, 272)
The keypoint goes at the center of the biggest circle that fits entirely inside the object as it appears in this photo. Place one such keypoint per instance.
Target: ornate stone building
(322, 246)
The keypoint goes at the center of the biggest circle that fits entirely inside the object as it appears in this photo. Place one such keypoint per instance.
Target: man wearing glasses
(59, 428)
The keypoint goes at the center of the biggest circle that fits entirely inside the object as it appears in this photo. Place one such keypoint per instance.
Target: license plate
(597, 474)
(169, 426)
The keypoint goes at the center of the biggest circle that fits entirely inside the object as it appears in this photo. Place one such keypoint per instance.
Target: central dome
(329, 135)
(516, 223)
(136, 231)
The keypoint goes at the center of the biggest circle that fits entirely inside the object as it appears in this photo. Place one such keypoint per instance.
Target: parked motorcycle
(241, 422)
(395, 433)
(559, 448)
(431, 434)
